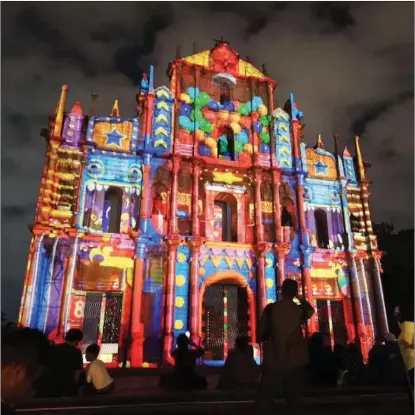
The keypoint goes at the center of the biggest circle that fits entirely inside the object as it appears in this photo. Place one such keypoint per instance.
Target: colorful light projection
(190, 215)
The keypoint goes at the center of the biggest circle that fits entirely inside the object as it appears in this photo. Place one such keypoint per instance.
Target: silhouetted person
(24, 352)
(65, 373)
(98, 380)
(240, 370)
(322, 361)
(355, 364)
(378, 356)
(185, 356)
(285, 349)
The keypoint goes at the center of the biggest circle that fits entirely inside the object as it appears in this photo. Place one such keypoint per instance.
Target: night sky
(350, 66)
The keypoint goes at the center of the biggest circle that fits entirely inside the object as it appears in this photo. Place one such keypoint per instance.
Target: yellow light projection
(320, 166)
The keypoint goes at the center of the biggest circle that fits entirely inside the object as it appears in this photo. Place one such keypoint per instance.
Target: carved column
(307, 253)
(368, 299)
(380, 303)
(174, 190)
(173, 244)
(258, 206)
(276, 178)
(357, 298)
(195, 198)
(196, 245)
(146, 195)
(137, 332)
(281, 252)
(262, 298)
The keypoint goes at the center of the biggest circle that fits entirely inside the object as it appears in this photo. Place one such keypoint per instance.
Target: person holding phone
(285, 349)
(185, 356)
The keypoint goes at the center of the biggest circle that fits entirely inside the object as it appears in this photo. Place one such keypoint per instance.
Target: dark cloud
(377, 110)
(350, 66)
(339, 16)
(16, 211)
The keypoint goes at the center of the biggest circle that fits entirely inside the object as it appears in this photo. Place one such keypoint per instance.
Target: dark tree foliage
(398, 266)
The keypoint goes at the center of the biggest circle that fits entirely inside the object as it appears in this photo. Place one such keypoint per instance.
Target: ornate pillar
(368, 300)
(300, 201)
(258, 206)
(196, 245)
(307, 286)
(174, 189)
(357, 298)
(145, 215)
(65, 308)
(28, 280)
(262, 298)
(146, 193)
(282, 251)
(137, 332)
(383, 326)
(195, 198)
(276, 178)
(173, 244)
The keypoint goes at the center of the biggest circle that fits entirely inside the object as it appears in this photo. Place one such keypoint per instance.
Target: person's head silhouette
(182, 341)
(24, 353)
(289, 289)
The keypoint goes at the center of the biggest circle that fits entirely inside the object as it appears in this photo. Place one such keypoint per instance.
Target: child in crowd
(98, 380)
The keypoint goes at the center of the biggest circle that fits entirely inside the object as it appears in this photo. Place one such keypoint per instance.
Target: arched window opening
(355, 224)
(135, 209)
(287, 212)
(159, 208)
(226, 143)
(267, 212)
(286, 218)
(320, 217)
(225, 96)
(160, 200)
(87, 218)
(225, 218)
(184, 202)
(112, 210)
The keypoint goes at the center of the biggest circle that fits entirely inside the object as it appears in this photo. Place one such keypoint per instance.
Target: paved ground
(137, 394)
(386, 404)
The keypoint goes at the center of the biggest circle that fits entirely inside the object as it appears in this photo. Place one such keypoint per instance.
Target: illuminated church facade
(189, 215)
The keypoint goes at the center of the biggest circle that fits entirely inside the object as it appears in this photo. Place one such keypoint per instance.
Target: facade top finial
(221, 41)
(144, 84)
(77, 109)
(320, 143)
(57, 129)
(94, 97)
(115, 110)
(346, 152)
(359, 158)
(336, 143)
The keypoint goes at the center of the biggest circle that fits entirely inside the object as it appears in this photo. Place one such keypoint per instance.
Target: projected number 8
(79, 309)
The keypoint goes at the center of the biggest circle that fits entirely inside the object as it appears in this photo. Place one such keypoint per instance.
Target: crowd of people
(30, 363)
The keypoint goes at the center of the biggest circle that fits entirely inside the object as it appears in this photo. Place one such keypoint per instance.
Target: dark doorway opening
(225, 317)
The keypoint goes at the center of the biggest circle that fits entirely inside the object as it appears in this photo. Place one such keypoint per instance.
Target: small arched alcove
(112, 210)
(320, 217)
(226, 147)
(227, 206)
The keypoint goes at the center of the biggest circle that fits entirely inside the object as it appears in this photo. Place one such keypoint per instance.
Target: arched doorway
(227, 312)
(225, 218)
(112, 210)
